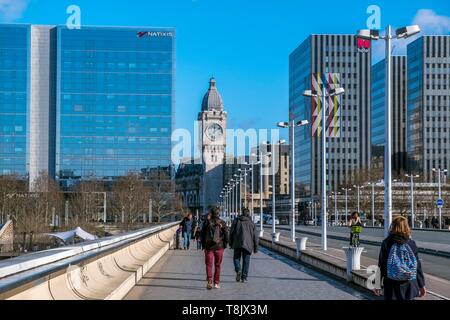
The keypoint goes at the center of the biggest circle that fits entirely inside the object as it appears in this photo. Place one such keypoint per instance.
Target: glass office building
(14, 98)
(428, 129)
(350, 148)
(97, 102)
(115, 101)
(399, 156)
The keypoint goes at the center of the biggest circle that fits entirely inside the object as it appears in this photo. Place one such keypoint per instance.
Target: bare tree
(38, 212)
(9, 185)
(86, 202)
(129, 199)
(165, 201)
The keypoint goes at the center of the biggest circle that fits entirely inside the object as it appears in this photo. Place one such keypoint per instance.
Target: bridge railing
(103, 269)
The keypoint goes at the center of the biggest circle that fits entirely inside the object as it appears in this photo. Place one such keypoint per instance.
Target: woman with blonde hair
(400, 266)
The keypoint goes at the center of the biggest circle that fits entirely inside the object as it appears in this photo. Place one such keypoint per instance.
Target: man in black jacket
(244, 241)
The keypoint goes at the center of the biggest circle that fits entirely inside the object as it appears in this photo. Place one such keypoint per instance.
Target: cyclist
(356, 228)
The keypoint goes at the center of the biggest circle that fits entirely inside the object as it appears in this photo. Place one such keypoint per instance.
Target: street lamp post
(237, 198)
(373, 203)
(346, 204)
(274, 161)
(292, 125)
(245, 188)
(253, 194)
(411, 176)
(439, 171)
(261, 164)
(358, 188)
(404, 32)
(310, 93)
(232, 199)
(336, 214)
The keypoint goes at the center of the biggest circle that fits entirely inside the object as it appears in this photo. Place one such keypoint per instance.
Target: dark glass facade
(350, 149)
(399, 156)
(429, 104)
(114, 101)
(14, 98)
(300, 109)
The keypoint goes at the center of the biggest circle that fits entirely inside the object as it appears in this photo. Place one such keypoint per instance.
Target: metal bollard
(276, 237)
(301, 245)
(353, 255)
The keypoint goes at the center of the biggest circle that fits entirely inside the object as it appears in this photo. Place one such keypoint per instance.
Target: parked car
(269, 221)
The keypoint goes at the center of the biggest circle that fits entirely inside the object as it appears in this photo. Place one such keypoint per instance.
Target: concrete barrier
(105, 269)
(320, 261)
(301, 245)
(353, 255)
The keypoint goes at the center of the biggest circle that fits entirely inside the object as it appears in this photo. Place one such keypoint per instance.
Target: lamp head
(406, 32)
(368, 34)
(337, 92)
(283, 124)
(309, 93)
(302, 123)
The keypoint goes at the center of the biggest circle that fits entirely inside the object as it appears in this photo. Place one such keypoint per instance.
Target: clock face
(214, 131)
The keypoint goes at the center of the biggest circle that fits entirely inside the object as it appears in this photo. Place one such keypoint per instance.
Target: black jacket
(223, 234)
(399, 290)
(243, 235)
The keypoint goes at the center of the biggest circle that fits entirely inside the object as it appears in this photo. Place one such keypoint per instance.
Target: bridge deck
(180, 275)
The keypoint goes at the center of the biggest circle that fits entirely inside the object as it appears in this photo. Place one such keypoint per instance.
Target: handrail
(19, 265)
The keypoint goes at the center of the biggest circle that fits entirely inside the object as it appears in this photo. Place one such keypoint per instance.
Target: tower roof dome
(212, 101)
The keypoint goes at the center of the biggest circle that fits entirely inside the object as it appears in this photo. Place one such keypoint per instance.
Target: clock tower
(213, 122)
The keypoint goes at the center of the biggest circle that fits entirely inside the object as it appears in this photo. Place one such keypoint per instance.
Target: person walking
(400, 267)
(244, 242)
(356, 226)
(198, 238)
(214, 236)
(187, 225)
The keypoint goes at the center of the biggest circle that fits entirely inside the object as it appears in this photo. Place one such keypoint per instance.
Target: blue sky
(245, 44)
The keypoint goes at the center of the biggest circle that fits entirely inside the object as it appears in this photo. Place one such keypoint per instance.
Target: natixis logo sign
(363, 45)
(158, 34)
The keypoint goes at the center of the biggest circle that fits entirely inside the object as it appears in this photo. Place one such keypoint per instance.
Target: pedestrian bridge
(143, 265)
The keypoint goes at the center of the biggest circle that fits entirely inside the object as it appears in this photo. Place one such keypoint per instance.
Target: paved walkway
(427, 241)
(438, 286)
(180, 275)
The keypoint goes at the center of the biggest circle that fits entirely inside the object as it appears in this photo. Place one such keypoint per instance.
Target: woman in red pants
(214, 240)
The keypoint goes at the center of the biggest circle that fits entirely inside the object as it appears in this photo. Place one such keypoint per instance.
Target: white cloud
(11, 10)
(431, 23)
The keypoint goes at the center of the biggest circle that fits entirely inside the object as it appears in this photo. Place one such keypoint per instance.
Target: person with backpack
(214, 237)
(400, 267)
(187, 226)
(356, 227)
(244, 242)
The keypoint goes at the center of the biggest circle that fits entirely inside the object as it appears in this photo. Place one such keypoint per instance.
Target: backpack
(402, 263)
(213, 236)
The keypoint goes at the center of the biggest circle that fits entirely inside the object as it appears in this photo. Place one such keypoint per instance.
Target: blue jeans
(245, 256)
(186, 240)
